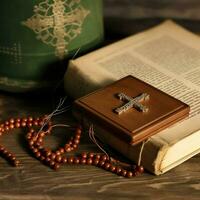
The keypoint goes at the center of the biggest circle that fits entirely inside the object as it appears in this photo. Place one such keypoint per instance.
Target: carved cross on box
(132, 102)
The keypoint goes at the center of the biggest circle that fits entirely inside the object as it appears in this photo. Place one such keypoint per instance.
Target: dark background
(124, 17)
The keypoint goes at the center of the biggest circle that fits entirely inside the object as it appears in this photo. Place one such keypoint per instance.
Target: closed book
(166, 57)
(38, 37)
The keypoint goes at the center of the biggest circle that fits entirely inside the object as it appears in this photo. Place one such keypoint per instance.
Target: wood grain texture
(32, 180)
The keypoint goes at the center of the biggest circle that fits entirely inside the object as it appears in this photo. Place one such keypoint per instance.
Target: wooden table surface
(33, 180)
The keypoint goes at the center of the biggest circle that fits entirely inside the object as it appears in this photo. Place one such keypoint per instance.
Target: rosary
(54, 159)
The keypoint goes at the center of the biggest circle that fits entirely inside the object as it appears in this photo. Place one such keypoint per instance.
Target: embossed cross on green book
(37, 35)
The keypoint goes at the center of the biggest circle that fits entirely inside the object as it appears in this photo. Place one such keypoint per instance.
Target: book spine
(87, 79)
(152, 154)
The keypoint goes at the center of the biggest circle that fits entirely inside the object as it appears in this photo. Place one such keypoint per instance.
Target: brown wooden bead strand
(9, 125)
(55, 159)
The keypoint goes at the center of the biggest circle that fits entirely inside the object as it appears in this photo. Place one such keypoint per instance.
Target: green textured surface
(28, 62)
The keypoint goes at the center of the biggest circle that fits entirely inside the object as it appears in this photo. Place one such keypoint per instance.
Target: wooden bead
(129, 174)
(29, 124)
(59, 158)
(64, 160)
(70, 160)
(76, 160)
(41, 134)
(97, 156)
(106, 166)
(96, 161)
(77, 137)
(17, 125)
(101, 163)
(48, 152)
(11, 126)
(16, 163)
(42, 158)
(112, 168)
(84, 155)
(31, 142)
(52, 163)
(12, 121)
(140, 169)
(30, 119)
(123, 172)
(47, 160)
(76, 141)
(41, 123)
(118, 170)
(135, 173)
(13, 158)
(53, 156)
(9, 155)
(7, 128)
(5, 152)
(62, 150)
(74, 146)
(32, 130)
(38, 154)
(24, 119)
(89, 161)
(83, 161)
(67, 148)
(35, 123)
(90, 155)
(35, 150)
(29, 136)
(78, 131)
(104, 157)
(38, 144)
(56, 166)
(31, 147)
(57, 153)
(23, 124)
(39, 140)
(2, 148)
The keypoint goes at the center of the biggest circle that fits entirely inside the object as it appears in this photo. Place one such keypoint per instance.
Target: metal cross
(132, 102)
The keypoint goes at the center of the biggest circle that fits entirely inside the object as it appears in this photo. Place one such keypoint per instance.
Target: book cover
(36, 36)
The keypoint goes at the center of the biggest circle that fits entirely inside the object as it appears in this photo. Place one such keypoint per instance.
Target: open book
(168, 58)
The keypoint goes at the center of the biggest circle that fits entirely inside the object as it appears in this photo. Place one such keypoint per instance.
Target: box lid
(132, 109)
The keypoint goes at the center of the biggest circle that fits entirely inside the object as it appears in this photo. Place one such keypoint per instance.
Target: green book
(38, 36)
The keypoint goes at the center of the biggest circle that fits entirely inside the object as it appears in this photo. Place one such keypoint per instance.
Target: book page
(168, 60)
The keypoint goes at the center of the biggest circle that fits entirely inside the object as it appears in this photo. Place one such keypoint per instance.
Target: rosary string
(92, 137)
(59, 110)
(61, 125)
(141, 151)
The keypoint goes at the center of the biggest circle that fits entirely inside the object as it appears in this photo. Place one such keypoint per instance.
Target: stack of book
(166, 57)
